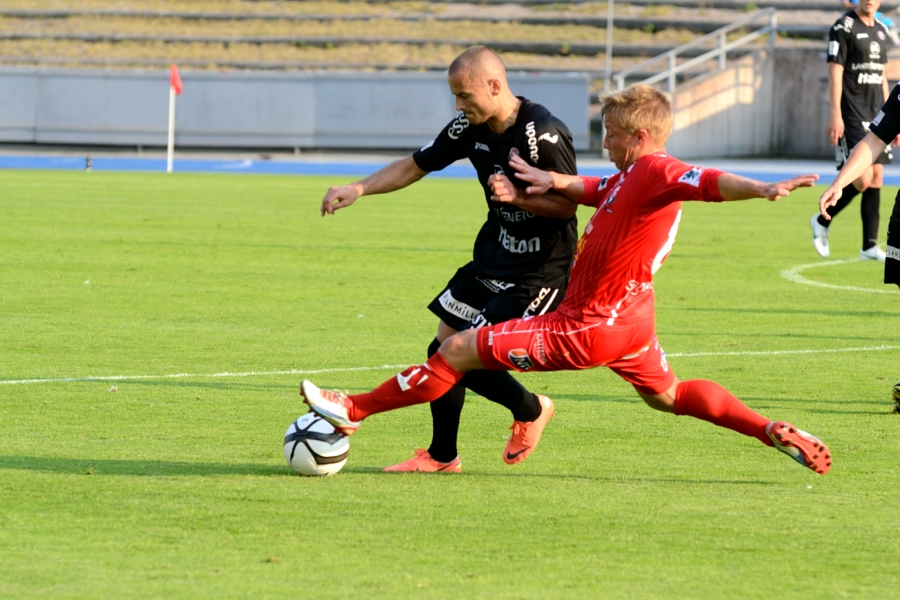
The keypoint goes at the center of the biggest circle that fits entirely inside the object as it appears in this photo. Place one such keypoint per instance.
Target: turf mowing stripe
(780, 352)
(384, 367)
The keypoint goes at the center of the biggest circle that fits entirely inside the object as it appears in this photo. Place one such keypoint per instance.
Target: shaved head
(478, 63)
(477, 78)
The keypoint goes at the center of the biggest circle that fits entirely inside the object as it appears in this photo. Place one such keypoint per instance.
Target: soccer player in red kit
(607, 317)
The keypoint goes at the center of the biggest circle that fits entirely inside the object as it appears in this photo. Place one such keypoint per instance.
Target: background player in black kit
(857, 53)
(885, 127)
(522, 253)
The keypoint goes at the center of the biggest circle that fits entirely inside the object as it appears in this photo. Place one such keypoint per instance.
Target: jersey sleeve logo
(427, 146)
(877, 120)
(456, 128)
(833, 48)
(692, 177)
(550, 138)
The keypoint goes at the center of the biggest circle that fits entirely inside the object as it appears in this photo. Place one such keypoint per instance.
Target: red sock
(711, 402)
(416, 385)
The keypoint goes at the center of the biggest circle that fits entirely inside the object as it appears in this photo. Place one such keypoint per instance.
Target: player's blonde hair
(639, 107)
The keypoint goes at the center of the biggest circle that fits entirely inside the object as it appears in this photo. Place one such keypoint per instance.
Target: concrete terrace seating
(294, 35)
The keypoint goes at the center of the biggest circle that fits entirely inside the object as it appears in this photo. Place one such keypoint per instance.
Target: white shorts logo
(892, 253)
(457, 308)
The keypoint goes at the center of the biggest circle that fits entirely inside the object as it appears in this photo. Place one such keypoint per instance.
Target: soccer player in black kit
(857, 53)
(522, 253)
(884, 129)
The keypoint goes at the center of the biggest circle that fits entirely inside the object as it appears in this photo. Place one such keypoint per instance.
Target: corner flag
(175, 88)
(175, 80)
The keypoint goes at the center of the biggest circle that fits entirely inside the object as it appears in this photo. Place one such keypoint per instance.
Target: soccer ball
(896, 395)
(313, 447)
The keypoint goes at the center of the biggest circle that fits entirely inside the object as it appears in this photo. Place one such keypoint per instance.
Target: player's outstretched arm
(395, 176)
(540, 182)
(735, 187)
(861, 158)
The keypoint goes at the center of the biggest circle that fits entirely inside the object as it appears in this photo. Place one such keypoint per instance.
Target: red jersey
(630, 235)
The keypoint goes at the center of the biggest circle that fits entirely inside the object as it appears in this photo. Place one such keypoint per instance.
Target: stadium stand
(375, 35)
(228, 34)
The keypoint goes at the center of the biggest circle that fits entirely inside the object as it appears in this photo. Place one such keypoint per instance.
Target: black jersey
(513, 244)
(886, 124)
(862, 51)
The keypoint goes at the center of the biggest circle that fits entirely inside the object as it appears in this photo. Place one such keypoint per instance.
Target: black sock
(847, 195)
(502, 388)
(868, 209)
(445, 413)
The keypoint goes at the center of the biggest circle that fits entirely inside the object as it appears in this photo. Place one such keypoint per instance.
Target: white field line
(197, 375)
(395, 367)
(794, 274)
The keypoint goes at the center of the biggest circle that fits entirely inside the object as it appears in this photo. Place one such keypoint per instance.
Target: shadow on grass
(561, 477)
(159, 468)
(141, 468)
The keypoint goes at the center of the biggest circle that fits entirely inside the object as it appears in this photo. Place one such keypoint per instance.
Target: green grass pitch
(175, 487)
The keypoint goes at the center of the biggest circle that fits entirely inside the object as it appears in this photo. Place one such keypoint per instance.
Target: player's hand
(338, 197)
(835, 129)
(828, 199)
(777, 191)
(540, 181)
(502, 189)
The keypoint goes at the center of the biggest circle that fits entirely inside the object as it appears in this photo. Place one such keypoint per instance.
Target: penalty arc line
(394, 367)
(794, 275)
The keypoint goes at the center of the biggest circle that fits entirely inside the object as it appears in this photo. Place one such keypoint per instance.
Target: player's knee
(877, 176)
(461, 350)
(662, 401)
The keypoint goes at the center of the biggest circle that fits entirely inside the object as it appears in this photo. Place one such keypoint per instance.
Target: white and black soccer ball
(313, 447)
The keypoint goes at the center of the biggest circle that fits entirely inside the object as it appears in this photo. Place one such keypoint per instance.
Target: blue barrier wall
(269, 109)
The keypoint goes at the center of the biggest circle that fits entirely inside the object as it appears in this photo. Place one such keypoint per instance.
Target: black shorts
(472, 299)
(854, 132)
(892, 263)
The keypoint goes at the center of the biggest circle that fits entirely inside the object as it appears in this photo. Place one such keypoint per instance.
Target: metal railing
(720, 52)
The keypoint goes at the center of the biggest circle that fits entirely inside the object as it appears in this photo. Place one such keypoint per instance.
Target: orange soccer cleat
(525, 436)
(806, 449)
(421, 462)
(331, 406)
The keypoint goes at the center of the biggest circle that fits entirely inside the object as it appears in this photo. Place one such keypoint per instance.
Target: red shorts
(553, 342)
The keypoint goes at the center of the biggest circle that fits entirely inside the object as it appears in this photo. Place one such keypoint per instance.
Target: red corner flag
(175, 80)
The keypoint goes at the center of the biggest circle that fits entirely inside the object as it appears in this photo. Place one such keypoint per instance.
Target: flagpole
(171, 153)
(607, 80)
